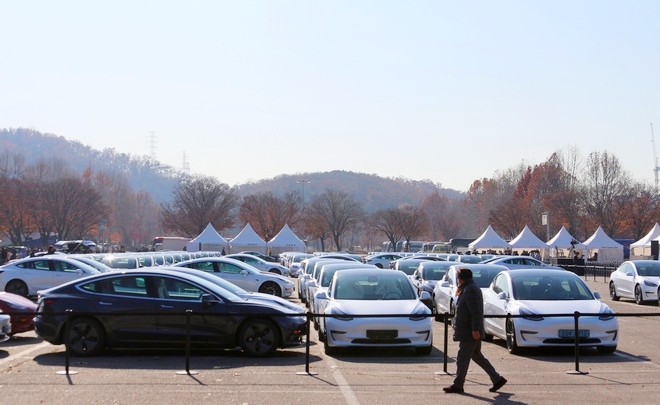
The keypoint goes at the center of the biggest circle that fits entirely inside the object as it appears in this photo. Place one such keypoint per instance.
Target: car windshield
(483, 277)
(408, 267)
(371, 287)
(651, 269)
(433, 274)
(558, 287)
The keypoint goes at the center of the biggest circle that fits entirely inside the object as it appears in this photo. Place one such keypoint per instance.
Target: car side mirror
(597, 295)
(244, 272)
(321, 295)
(208, 299)
(629, 274)
(501, 296)
(425, 296)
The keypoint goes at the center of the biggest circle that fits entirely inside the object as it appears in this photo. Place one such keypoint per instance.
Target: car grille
(364, 341)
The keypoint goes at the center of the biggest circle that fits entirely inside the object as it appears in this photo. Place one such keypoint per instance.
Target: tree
(197, 201)
(339, 212)
(388, 222)
(413, 222)
(268, 213)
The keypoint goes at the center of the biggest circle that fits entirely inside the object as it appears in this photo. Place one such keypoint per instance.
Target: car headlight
(606, 315)
(419, 315)
(341, 315)
(650, 283)
(529, 315)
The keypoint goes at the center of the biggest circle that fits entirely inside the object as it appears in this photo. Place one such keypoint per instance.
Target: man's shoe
(452, 389)
(498, 385)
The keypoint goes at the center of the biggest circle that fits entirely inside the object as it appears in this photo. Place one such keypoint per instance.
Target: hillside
(158, 179)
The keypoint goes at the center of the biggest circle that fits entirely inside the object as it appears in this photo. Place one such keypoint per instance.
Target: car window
(64, 266)
(35, 264)
(501, 285)
(133, 286)
(649, 269)
(177, 289)
(144, 261)
(205, 266)
(229, 268)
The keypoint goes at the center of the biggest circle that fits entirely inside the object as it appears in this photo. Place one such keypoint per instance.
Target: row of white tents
(247, 239)
(561, 245)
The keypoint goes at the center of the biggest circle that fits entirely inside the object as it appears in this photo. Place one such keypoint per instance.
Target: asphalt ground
(32, 372)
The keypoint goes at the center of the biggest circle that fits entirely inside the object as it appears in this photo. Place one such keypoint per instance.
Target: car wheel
(270, 287)
(511, 343)
(639, 298)
(606, 349)
(17, 287)
(613, 295)
(259, 337)
(380, 266)
(329, 350)
(424, 349)
(436, 316)
(276, 271)
(86, 338)
(321, 335)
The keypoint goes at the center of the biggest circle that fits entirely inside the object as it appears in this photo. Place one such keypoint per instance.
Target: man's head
(464, 274)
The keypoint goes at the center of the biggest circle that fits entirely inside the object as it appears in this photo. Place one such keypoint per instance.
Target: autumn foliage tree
(338, 211)
(267, 213)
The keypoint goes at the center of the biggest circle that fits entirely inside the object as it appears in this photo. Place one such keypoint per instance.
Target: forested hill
(144, 174)
(158, 179)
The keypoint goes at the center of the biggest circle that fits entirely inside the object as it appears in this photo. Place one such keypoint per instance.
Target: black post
(309, 318)
(446, 347)
(188, 313)
(576, 315)
(67, 327)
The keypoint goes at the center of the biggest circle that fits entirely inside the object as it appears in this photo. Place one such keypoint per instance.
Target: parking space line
(24, 353)
(344, 387)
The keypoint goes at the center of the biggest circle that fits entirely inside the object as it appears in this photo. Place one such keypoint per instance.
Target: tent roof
(526, 239)
(286, 238)
(489, 240)
(600, 240)
(247, 237)
(209, 236)
(646, 240)
(563, 239)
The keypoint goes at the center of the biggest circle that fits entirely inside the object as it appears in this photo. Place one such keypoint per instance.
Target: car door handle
(105, 303)
(167, 306)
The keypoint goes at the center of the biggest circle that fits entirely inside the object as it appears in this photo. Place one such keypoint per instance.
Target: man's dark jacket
(469, 312)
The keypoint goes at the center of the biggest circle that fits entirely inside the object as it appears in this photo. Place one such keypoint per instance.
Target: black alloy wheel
(259, 337)
(87, 337)
(271, 287)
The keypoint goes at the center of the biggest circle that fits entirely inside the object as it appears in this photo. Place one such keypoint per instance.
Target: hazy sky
(450, 91)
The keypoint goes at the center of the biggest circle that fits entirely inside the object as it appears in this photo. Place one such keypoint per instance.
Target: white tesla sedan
(242, 275)
(374, 292)
(638, 279)
(27, 276)
(524, 298)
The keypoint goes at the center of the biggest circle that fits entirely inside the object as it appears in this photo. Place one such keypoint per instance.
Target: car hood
(564, 307)
(385, 307)
(272, 299)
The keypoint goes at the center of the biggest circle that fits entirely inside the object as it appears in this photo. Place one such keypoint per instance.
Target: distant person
(223, 252)
(468, 331)
(51, 250)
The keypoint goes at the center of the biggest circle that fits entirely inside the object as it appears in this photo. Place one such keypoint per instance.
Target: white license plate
(570, 333)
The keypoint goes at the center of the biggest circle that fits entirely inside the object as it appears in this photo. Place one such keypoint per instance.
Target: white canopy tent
(208, 240)
(247, 239)
(285, 241)
(608, 249)
(643, 246)
(526, 240)
(489, 240)
(560, 245)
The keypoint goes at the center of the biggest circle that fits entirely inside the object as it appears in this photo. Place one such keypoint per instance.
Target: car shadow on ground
(174, 359)
(20, 340)
(386, 354)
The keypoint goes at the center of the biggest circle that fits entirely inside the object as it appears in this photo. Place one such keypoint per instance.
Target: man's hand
(476, 335)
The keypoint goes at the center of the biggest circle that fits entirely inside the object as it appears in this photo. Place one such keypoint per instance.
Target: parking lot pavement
(28, 374)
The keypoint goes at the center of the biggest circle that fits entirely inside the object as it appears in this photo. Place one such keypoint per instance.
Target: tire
(488, 337)
(425, 350)
(613, 295)
(639, 298)
(276, 271)
(17, 287)
(452, 313)
(511, 343)
(436, 316)
(321, 335)
(87, 337)
(270, 287)
(259, 337)
(329, 350)
(606, 349)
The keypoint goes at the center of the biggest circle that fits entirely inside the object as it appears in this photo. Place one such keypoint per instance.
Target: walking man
(468, 331)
